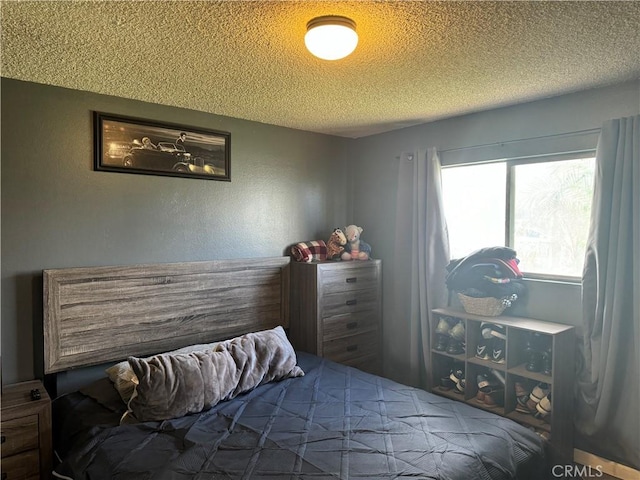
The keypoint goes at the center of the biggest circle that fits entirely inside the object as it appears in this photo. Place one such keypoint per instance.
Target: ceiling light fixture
(331, 37)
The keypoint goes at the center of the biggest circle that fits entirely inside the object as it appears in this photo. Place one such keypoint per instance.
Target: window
(540, 208)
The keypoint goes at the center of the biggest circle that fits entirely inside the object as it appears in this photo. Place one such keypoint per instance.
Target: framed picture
(133, 145)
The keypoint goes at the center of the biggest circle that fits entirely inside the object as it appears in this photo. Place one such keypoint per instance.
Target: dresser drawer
(19, 435)
(349, 349)
(349, 324)
(23, 466)
(349, 302)
(363, 277)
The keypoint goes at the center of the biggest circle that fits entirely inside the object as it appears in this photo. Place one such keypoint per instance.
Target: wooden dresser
(26, 432)
(336, 311)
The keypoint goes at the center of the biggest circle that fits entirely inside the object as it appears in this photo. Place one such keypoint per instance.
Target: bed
(333, 422)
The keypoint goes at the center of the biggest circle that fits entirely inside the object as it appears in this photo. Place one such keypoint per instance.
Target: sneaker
(537, 394)
(499, 331)
(522, 395)
(457, 377)
(486, 328)
(495, 398)
(484, 385)
(497, 354)
(441, 342)
(483, 350)
(446, 383)
(544, 407)
(455, 347)
(460, 386)
(534, 361)
(457, 332)
(444, 326)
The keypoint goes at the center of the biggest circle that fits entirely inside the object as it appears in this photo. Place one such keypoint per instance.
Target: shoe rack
(535, 354)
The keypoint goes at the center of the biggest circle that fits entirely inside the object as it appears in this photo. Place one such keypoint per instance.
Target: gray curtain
(421, 253)
(608, 388)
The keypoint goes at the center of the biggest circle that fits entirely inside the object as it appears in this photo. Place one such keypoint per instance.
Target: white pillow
(124, 380)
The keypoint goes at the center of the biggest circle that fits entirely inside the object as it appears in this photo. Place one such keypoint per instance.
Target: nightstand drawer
(19, 435)
(349, 324)
(24, 466)
(349, 349)
(349, 302)
(345, 280)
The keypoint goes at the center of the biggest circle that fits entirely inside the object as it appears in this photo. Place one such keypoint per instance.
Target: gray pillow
(124, 380)
(173, 385)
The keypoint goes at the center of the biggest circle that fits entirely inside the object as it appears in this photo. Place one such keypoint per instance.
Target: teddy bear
(355, 249)
(335, 244)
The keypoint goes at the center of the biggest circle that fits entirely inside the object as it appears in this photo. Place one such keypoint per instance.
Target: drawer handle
(352, 279)
(3, 439)
(352, 302)
(352, 325)
(352, 348)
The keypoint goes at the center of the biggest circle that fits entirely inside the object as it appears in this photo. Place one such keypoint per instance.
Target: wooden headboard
(102, 314)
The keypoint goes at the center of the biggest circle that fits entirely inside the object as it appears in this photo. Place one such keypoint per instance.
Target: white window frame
(510, 200)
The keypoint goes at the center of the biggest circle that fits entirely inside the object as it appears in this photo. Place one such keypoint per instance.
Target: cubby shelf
(558, 425)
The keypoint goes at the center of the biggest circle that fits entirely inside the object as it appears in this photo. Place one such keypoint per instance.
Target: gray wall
(287, 186)
(58, 212)
(373, 187)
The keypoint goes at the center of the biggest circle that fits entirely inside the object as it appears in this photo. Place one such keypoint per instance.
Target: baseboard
(606, 466)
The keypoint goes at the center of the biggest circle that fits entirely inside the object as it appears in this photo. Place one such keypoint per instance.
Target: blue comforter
(336, 422)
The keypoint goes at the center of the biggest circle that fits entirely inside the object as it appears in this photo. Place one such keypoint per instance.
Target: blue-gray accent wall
(287, 186)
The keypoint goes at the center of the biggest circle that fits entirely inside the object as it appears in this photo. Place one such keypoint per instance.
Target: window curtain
(608, 388)
(421, 254)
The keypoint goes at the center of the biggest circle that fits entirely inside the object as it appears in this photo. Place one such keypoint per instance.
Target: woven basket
(485, 306)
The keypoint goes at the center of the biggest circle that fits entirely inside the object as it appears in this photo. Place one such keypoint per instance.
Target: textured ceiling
(416, 61)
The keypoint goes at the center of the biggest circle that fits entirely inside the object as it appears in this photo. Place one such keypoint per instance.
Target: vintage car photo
(132, 145)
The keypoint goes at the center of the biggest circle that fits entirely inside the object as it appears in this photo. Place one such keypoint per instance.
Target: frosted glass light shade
(331, 37)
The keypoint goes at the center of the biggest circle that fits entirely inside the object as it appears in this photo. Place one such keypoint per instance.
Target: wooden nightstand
(26, 432)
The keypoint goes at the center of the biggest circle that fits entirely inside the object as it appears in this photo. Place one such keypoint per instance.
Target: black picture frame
(134, 145)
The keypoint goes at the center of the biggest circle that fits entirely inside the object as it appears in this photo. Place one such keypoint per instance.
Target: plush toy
(335, 244)
(355, 249)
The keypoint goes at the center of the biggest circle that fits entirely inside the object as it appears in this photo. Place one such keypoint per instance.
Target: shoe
(522, 395)
(483, 349)
(534, 361)
(455, 347)
(544, 407)
(441, 342)
(460, 387)
(483, 383)
(537, 394)
(497, 355)
(486, 330)
(457, 332)
(495, 398)
(446, 383)
(444, 326)
(499, 331)
(457, 377)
